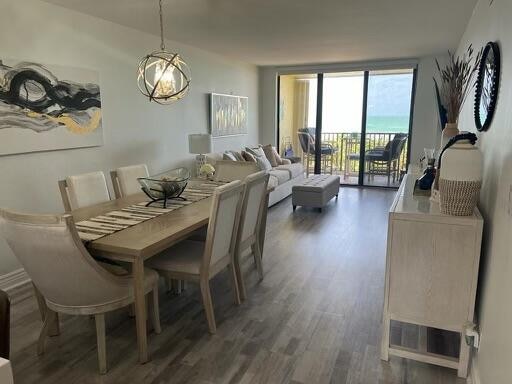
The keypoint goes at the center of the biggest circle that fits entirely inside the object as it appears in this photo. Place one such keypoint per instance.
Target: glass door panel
(297, 118)
(342, 111)
(387, 126)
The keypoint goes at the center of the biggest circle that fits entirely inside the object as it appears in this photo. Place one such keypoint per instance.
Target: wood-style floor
(315, 318)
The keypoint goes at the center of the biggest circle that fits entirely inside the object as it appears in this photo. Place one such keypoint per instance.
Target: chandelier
(163, 76)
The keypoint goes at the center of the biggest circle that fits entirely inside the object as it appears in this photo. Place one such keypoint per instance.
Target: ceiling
(284, 32)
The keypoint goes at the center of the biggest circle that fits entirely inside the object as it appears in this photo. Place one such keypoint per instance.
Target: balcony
(381, 168)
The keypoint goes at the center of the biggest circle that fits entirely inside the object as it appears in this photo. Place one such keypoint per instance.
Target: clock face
(487, 87)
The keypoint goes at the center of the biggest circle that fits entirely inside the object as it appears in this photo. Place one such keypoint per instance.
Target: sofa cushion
(248, 157)
(269, 154)
(282, 175)
(279, 159)
(228, 156)
(238, 155)
(295, 170)
(261, 159)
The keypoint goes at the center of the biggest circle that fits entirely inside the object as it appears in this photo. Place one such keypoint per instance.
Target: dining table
(140, 242)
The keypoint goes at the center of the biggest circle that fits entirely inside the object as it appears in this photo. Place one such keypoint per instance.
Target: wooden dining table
(142, 241)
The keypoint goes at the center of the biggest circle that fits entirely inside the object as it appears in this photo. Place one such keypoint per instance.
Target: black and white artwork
(48, 108)
(229, 115)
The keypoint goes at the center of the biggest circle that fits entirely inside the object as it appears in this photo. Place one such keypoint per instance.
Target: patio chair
(307, 144)
(386, 160)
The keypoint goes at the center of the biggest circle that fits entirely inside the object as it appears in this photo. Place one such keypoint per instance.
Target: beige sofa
(282, 178)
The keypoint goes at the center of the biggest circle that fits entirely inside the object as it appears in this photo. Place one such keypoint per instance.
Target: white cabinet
(431, 273)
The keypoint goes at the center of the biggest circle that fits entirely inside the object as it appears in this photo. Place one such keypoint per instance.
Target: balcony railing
(348, 145)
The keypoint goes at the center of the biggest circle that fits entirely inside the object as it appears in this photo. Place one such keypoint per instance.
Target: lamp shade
(199, 143)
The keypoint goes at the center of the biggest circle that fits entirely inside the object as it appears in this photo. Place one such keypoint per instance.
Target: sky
(389, 98)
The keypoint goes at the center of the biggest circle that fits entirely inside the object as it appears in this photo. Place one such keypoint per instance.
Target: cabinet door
(431, 271)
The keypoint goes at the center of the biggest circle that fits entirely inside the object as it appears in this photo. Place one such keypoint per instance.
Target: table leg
(140, 310)
(263, 224)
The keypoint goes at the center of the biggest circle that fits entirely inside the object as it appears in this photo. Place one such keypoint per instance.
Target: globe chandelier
(163, 76)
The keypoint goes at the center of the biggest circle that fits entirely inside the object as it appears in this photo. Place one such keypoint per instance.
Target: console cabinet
(431, 273)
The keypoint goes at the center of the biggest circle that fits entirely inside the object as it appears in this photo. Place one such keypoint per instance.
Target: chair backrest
(52, 254)
(397, 145)
(252, 206)
(223, 225)
(84, 190)
(124, 179)
(307, 143)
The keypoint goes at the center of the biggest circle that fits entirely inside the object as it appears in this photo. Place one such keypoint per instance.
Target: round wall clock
(487, 86)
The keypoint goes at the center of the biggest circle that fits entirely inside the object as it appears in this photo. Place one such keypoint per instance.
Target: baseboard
(474, 376)
(14, 279)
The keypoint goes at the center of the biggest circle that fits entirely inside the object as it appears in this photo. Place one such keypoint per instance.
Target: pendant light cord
(162, 45)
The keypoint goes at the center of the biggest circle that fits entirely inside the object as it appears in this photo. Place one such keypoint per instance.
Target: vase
(460, 179)
(450, 130)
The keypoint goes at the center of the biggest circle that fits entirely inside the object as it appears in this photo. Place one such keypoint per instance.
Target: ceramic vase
(460, 179)
(450, 130)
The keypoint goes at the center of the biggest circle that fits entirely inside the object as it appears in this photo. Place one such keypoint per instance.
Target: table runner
(111, 222)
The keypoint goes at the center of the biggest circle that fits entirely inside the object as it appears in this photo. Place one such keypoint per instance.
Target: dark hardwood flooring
(315, 318)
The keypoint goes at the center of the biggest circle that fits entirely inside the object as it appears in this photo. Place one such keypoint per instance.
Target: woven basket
(459, 198)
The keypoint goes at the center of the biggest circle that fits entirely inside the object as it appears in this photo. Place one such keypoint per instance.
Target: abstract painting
(48, 108)
(228, 115)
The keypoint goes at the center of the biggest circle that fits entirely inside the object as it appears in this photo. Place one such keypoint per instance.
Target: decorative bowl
(166, 185)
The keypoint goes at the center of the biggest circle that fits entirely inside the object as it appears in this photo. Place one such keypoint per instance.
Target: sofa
(282, 177)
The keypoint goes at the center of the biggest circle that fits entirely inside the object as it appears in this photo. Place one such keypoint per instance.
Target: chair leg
(389, 171)
(41, 302)
(234, 282)
(100, 337)
(257, 258)
(208, 305)
(240, 277)
(49, 320)
(155, 310)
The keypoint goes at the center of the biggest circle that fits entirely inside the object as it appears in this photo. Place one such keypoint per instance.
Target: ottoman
(315, 191)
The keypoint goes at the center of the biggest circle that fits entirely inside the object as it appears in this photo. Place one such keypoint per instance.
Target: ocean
(385, 124)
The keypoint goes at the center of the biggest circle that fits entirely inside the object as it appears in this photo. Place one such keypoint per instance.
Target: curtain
(301, 110)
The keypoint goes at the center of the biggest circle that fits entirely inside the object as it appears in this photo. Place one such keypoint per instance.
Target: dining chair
(83, 190)
(250, 220)
(199, 261)
(124, 179)
(65, 274)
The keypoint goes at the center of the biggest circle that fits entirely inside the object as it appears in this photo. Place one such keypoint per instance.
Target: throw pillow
(269, 154)
(279, 159)
(248, 157)
(261, 159)
(228, 156)
(238, 155)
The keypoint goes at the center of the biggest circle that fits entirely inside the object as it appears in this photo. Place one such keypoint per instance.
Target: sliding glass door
(342, 114)
(388, 120)
(353, 124)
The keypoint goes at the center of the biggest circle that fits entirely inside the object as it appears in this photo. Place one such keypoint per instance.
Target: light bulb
(164, 79)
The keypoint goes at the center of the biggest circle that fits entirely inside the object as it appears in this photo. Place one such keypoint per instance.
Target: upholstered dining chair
(66, 275)
(124, 179)
(199, 261)
(83, 190)
(250, 220)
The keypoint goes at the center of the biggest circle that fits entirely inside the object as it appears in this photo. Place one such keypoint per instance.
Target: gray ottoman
(315, 191)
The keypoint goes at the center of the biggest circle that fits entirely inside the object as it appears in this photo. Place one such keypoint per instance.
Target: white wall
(135, 130)
(426, 130)
(494, 309)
